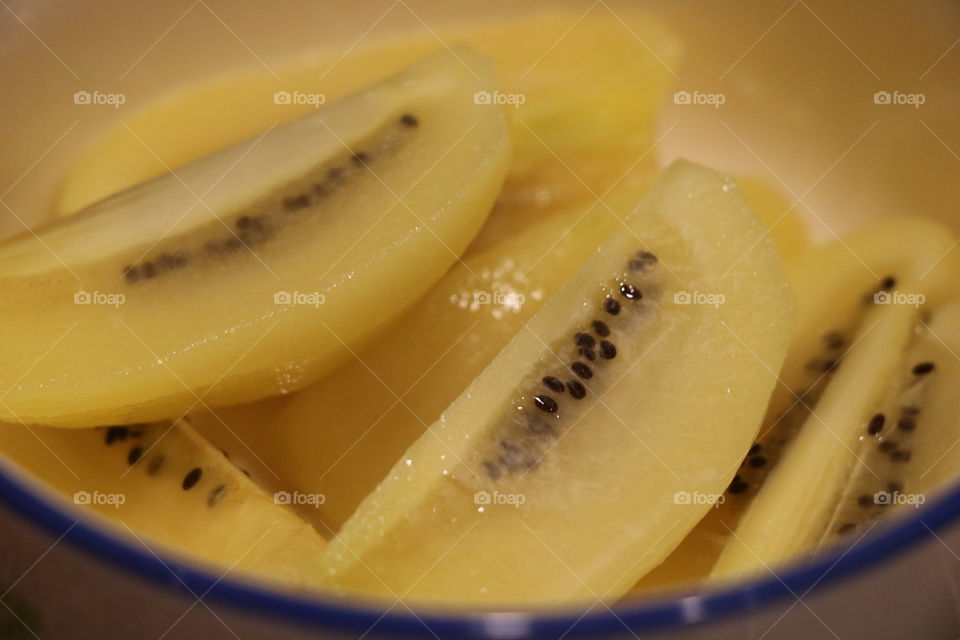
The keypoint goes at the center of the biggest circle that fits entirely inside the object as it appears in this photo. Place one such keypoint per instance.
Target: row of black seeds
(906, 423)
(785, 427)
(121, 433)
(591, 346)
(250, 231)
(754, 467)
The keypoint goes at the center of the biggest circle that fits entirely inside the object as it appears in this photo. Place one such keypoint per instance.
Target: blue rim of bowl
(682, 610)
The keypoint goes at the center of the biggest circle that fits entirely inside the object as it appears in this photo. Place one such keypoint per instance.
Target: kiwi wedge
(639, 382)
(254, 270)
(909, 448)
(340, 435)
(861, 372)
(168, 487)
(581, 116)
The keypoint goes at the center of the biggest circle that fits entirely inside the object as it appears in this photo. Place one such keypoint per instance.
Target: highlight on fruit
(436, 323)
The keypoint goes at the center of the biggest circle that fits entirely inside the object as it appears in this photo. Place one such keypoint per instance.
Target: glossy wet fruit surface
(253, 271)
(502, 486)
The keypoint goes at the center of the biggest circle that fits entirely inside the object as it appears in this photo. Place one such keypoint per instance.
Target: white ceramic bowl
(804, 85)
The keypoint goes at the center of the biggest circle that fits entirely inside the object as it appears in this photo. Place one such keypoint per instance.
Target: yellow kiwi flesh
(252, 271)
(851, 352)
(168, 487)
(571, 144)
(489, 505)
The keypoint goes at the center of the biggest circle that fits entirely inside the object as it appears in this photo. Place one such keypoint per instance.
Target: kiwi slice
(909, 446)
(854, 378)
(517, 494)
(252, 271)
(582, 116)
(172, 488)
(340, 435)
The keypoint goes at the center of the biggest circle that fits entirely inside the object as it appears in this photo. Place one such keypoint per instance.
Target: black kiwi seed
(738, 486)
(845, 527)
(360, 158)
(830, 366)
(192, 478)
(754, 449)
(629, 291)
(492, 470)
(887, 446)
(900, 455)
(895, 487)
(577, 390)
(583, 371)
(906, 423)
(607, 350)
(554, 384)
(833, 340)
(539, 428)
(155, 463)
(888, 283)
(147, 270)
(516, 459)
(131, 273)
(171, 261)
(910, 410)
(589, 354)
(865, 500)
(642, 260)
(648, 256)
(611, 306)
(134, 456)
(876, 423)
(216, 495)
(295, 203)
(545, 403)
(116, 433)
(584, 340)
(334, 173)
(243, 222)
(232, 244)
(757, 461)
(409, 120)
(923, 368)
(600, 328)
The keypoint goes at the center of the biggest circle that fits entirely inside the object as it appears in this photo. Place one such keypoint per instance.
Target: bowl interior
(800, 82)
